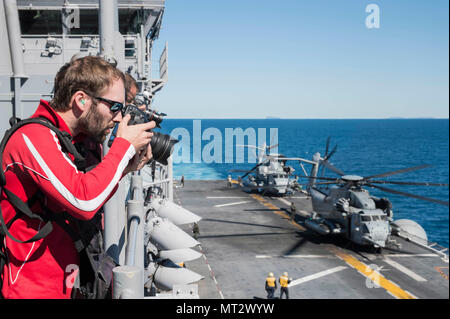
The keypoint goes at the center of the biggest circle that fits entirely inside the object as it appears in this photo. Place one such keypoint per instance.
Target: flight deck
(245, 236)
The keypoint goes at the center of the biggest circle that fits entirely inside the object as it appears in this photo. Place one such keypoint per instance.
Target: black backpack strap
(67, 146)
(48, 217)
(14, 120)
(23, 208)
(64, 137)
(60, 219)
(16, 123)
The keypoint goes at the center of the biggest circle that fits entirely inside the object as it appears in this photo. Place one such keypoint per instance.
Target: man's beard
(94, 125)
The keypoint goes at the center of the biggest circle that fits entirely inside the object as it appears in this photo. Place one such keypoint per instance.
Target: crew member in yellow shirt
(271, 285)
(284, 282)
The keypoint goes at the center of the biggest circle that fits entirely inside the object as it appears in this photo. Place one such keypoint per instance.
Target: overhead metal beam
(14, 37)
(86, 4)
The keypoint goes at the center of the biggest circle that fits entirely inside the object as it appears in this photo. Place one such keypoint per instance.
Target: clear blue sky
(305, 59)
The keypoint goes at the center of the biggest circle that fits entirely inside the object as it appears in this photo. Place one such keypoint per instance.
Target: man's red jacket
(33, 161)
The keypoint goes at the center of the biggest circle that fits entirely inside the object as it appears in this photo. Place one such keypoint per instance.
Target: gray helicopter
(347, 208)
(271, 175)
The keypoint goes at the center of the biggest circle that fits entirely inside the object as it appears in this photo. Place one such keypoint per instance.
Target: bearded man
(89, 95)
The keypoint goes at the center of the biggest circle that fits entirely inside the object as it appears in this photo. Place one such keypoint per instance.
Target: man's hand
(137, 135)
(139, 160)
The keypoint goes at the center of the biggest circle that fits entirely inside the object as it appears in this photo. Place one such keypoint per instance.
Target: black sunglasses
(114, 106)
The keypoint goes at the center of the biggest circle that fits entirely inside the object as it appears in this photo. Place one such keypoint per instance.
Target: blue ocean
(207, 150)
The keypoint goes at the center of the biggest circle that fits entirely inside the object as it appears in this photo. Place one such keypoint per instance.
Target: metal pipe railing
(125, 282)
(135, 246)
(132, 238)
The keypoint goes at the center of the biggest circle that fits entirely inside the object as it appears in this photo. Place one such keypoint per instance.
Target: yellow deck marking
(277, 210)
(443, 274)
(392, 288)
(395, 290)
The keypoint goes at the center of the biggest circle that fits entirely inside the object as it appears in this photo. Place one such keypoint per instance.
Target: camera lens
(162, 147)
(157, 117)
(162, 144)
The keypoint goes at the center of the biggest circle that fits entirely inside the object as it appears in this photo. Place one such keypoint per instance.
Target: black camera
(162, 144)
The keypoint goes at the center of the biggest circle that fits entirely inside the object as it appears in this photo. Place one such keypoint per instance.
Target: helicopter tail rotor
(322, 171)
(325, 163)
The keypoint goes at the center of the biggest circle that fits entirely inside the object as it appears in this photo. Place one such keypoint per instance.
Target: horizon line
(281, 118)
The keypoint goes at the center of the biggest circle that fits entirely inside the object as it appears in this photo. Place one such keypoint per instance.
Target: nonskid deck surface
(245, 236)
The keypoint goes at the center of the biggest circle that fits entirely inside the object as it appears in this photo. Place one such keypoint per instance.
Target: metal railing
(431, 246)
(129, 279)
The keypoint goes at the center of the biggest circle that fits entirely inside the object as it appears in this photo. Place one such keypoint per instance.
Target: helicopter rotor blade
(271, 142)
(258, 165)
(332, 167)
(326, 158)
(409, 183)
(331, 153)
(322, 169)
(393, 191)
(327, 146)
(252, 146)
(322, 178)
(404, 170)
(327, 183)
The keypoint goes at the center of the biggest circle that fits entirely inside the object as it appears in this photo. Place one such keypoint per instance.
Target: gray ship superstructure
(38, 37)
(141, 226)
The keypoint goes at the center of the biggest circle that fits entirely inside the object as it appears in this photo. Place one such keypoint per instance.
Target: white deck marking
(225, 197)
(284, 201)
(293, 256)
(231, 204)
(405, 270)
(315, 276)
(413, 255)
(308, 256)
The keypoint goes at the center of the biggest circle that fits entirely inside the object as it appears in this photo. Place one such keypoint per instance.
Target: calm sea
(365, 147)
